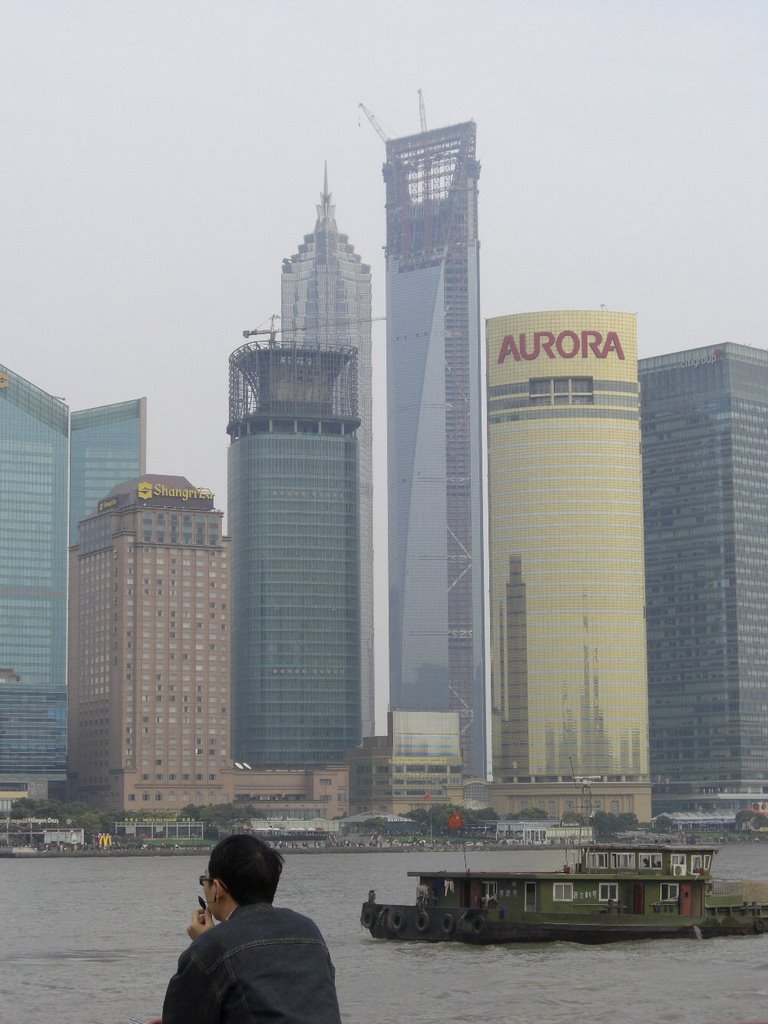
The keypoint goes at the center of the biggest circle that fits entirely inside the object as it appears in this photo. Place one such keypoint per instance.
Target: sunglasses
(203, 879)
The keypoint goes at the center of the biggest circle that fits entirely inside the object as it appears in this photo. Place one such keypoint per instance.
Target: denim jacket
(264, 963)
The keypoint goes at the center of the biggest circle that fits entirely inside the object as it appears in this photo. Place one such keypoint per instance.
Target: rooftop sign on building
(158, 492)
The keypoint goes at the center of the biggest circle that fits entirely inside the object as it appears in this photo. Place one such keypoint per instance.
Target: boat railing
(726, 887)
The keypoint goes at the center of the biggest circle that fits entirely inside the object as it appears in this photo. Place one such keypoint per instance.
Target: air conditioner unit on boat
(678, 869)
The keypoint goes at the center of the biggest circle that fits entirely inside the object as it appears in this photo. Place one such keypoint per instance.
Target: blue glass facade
(108, 445)
(705, 465)
(293, 521)
(33, 578)
(37, 506)
(434, 399)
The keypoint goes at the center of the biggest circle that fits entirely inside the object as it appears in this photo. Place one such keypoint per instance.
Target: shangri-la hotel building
(149, 713)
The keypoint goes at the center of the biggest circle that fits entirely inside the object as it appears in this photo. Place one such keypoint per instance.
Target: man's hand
(201, 921)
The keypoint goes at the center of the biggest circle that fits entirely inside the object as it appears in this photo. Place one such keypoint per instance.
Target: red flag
(455, 820)
(427, 796)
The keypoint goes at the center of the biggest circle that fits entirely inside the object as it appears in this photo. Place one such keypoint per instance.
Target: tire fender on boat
(397, 920)
(471, 923)
(367, 917)
(422, 921)
(448, 924)
(759, 925)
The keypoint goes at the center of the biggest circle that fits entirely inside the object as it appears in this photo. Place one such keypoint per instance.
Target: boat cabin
(608, 879)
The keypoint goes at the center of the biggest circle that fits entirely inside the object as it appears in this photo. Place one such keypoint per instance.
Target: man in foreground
(259, 962)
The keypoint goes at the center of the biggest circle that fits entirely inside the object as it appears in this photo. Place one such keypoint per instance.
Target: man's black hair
(248, 868)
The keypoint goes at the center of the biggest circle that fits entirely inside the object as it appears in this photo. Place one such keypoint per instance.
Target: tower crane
(422, 112)
(376, 126)
(273, 331)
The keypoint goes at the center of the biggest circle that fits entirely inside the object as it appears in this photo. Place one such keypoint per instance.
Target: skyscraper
(705, 463)
(326, 302)
(108, 445)
(37, 503)
(34, 453)
(293, 520)
(568, 658)
(149, 688)
(434, 396)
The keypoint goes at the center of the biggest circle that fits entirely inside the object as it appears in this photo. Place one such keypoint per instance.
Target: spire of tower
(326, 211)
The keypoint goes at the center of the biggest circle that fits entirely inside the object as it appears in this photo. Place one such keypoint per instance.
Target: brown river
(96, 939)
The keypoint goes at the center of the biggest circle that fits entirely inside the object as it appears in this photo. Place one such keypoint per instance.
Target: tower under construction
(434, 395)
(295, 573)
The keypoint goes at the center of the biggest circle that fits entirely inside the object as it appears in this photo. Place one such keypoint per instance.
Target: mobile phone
(203, 904)
(135, 1020)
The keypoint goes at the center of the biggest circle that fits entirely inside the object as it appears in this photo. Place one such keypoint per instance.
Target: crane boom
(273, 331)
(375, 124)
(422, 112)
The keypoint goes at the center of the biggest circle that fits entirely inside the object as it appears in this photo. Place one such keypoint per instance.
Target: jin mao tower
(326, 302)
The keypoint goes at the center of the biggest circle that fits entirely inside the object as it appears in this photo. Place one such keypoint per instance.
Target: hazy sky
(160, 158)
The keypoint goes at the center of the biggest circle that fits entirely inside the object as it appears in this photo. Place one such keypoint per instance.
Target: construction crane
(376, 126)
(422, 112)
(273, 331)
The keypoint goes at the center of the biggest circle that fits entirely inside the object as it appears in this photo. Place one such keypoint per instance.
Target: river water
(96, 939)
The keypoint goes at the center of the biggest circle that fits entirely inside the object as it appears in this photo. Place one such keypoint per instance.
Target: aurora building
(568, 651)
(326, 302)
(149, 714)
(293, 519)
(705, 465)
(434, 396)
(52, 462)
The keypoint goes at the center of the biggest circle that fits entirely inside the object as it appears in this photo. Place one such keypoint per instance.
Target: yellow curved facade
(568, 643)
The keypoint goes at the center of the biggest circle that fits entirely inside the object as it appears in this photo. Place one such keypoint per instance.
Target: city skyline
(153, 179)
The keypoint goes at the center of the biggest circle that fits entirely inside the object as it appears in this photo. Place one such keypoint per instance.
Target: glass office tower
(34, 451)
(705, 465)
(108, 444)
(38, 457)
(434, 400)
(326, 302)
(293, 520)
(568, 656)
